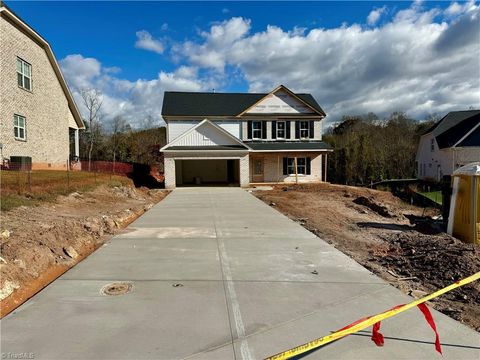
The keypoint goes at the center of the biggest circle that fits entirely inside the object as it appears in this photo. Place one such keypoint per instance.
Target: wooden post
(18, 181)
(30, 181)
(326, 167)
(296, 171)
(68, 178)
(278, 169)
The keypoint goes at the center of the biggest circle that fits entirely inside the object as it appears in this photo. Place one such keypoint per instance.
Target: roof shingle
(216, 104)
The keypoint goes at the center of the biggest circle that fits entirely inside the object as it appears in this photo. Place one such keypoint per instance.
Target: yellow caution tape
(314, 344)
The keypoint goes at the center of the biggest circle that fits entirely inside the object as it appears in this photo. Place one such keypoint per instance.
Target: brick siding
(45, 108)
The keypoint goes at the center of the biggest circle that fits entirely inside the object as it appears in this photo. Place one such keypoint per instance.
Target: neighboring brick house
(243, 138)
(38, 115)
(452, 142)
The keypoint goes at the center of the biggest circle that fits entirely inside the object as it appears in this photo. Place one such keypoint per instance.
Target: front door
(257, 170)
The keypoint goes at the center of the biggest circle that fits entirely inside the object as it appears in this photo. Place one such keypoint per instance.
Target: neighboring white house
(452, 142)
(38, 116)
(242, 138)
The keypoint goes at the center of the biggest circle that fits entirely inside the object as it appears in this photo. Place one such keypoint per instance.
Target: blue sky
(354, 57)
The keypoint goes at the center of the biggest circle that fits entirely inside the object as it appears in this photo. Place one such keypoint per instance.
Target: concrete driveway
(217, 274)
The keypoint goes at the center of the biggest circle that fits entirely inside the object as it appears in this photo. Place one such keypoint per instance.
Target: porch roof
(213, 147)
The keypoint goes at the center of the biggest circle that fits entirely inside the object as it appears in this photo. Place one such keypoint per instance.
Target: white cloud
(411, 63)
(147, 42)
(217, 43)
(135, 100)
(225, 11)
(164, 27)
(375, 15)
(80, 71)
(456, 9)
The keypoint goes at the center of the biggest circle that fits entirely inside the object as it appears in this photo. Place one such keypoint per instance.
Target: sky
(422, 58)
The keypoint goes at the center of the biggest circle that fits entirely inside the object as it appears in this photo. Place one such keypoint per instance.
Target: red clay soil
(398, 242)
(38, 244)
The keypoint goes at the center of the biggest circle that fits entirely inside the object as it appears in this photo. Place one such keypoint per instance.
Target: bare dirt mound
(399, 242)
(39, 243)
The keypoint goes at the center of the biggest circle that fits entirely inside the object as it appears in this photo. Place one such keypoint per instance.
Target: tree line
(369, 149)
(116, 140)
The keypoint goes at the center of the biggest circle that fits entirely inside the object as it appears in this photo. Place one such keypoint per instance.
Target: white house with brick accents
(243, 138)
(38, 116)
(454, 141)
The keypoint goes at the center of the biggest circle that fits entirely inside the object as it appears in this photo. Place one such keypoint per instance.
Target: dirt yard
(39, 243)
(397, 241)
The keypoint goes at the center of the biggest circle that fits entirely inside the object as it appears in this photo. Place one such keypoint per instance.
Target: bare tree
(92, 99)
(119, 126)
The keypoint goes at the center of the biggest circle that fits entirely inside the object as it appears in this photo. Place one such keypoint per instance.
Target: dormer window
(24, 74)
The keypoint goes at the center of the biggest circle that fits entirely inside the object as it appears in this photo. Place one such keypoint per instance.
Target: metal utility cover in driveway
(217, 274)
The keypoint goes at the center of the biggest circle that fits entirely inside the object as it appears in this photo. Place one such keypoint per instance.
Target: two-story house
(243, 138)
(38, 116)
(452, 142)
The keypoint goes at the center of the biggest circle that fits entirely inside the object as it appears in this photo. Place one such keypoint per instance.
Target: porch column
(77, 143)
(244, 170)
(169, 172)
(326, 159)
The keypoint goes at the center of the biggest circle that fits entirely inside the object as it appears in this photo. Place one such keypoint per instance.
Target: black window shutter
(274, 129)
(311, 129)
(285, 165)
(249, 131)
(264, 129)
(308, 166)
(287, 133)
(297, 129)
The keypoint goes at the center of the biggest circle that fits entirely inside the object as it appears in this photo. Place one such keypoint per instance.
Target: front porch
(288, 167)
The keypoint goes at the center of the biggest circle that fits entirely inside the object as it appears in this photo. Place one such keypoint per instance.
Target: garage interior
(224, 172)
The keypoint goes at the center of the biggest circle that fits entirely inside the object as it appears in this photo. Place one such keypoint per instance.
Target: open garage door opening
(207, 172)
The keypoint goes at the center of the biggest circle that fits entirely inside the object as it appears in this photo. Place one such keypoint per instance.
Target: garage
(217, 172)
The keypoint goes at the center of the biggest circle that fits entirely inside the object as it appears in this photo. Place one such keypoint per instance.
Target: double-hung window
(256, 130)
(290, 166)
(281, 130)
(303, 166)
(24, 74)
(304, 129)
(19, 127)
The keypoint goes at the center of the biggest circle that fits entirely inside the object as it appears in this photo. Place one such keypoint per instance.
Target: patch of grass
(22, 188)
(433, 195)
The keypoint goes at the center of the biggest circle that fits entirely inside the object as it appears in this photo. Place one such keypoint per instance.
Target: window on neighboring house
(432, 145)
(303, 166)
(256, 130)
(19, 127)
(24, 74)
(304, 129)
(281, 130)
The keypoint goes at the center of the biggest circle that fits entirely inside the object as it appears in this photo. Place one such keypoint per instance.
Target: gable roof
(21, 25)
(176, 143)
(218, 104)
(314, 106)
(453, 127)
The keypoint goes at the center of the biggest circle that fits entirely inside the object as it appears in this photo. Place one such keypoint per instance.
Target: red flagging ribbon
(378, 339)
(428, 316)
